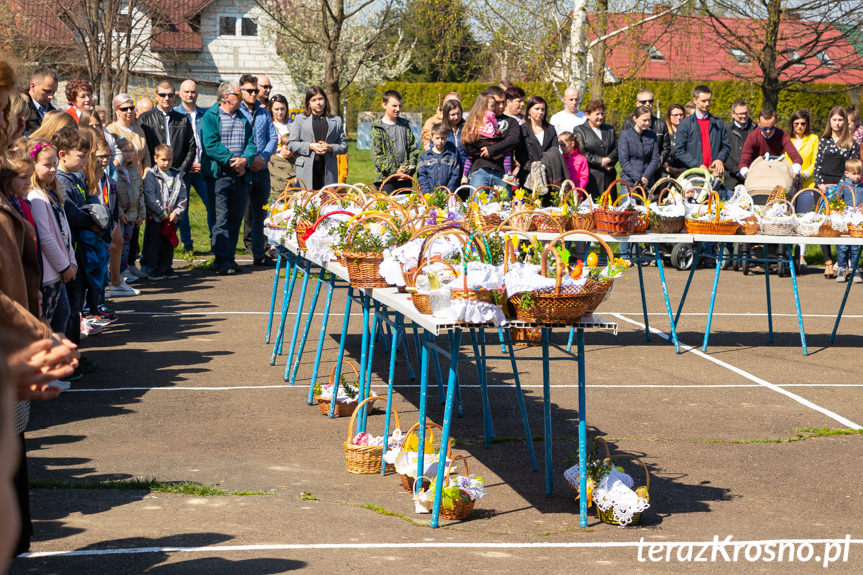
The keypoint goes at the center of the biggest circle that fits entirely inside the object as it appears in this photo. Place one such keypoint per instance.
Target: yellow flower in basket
(519, 193)
(427, 196)
(266, 207)
(413, 442)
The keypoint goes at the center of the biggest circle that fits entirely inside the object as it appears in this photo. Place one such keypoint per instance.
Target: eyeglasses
(768, 128)
(166, 95)
(650, 101)
(250, 90)
(103, 156)
(265, 86)
(126, 108)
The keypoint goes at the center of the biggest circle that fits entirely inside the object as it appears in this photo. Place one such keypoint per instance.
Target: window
(825, 58)
(740, 56)
(793, 56)
(654, 53)
(237, 26)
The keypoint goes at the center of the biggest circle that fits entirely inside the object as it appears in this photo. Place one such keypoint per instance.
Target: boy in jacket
(165, 195)
(439, 165)
(394, 148)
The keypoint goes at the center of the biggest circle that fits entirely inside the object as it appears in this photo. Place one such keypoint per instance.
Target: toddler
(846, 255)
(490, 131)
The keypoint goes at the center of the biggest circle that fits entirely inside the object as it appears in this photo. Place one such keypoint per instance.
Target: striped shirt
(233, 132)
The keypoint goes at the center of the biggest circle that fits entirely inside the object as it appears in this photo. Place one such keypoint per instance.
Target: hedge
(619, 98)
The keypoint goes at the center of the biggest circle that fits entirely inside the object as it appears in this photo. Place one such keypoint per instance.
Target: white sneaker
(857, 280)
(841, 278)
(128, 276)
(90, 327)
(123, 290)
(138, 273)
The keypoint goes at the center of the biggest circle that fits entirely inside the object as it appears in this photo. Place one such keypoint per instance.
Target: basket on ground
(343, 408)
(365, 459)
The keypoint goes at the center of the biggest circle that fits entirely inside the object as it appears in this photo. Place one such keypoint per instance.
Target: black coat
(182, 136)
(736, 137)
(34, 121)
(658, 127)
(529, 150)
(594, 150)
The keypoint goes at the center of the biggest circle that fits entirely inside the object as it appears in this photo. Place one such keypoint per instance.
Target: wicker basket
(342, 409)
(363, 266)
(408, 481)
(517, 221)
(558, 306)
(614, 222)
(749, 226)
(607, 516)
(365, 459)
(484, 222)
(416, 184)
(422, 301)
(549, 223)
(492, 296)
(714, 226)
(525, 336)
(664, 224)
(779, 225)
(577, 221)
(463, 504)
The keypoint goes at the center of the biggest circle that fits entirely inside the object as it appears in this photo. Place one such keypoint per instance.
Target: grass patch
(382, 511)
(142, 484)
(205, 265)
(307, 496)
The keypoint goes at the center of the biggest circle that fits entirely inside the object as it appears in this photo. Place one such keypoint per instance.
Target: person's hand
(643, 180)
(238, 163)
(41, 362)
(258, 164)
(286, 153)
(484, 152)
(173, 217)
(401, 171)
(823, 187)
(139, 220)
(717, 168)
(605, 162)
(69, 274)
(196, 169)
(124, 219)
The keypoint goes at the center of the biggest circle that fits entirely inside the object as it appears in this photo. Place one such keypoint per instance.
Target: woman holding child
(125, 127)
(316, 138)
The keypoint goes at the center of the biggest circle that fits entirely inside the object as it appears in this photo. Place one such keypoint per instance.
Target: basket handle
(420, 266)
(365, 217)
(503, 227)
(351, 364)
(400, 177)
(671, 184)
(550, 248)
(449, 469)
(666, 181)
(635, 459)
(360, 406)
(710, 203)
(599, 440)
(605, 198)
(477, 190)
(311, 229)
(579, 193)
(371, 204)
(429, 425)
(823, 198)
(509, 247)
(632, 194)
(839, 193)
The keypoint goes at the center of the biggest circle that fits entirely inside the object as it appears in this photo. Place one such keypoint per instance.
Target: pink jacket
(54, 236)
(576, 166)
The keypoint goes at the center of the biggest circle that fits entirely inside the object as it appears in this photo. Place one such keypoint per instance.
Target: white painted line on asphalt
(372, 546)
(638, 314)
(832, 415)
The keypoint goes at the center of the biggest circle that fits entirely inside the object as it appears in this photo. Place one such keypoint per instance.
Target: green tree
(445, 49)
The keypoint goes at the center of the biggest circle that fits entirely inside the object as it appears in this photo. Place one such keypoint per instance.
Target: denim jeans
(228, 204)
(845, 257)
(487, 177)
(253, 221)
(198, 182)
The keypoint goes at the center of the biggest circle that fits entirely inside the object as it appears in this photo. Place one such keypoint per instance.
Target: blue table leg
(273, 296)
(767, 287)
(502, 340)
(421, 432)
(582, 430)
(306, 329)
(438, 377)
(344, 336)
(844, 299)
(546, 410)
(391, 378)
(688, 282)
(330, 287)
(286, 302)
(641, 287)
(797, 301)
(482, 353)
(364, 356)
(455, 343)
(297, 318)
(367, 377)
(480, 375)
(295, 271)
(673, 328)
(713, 295)
(569, 341)
(527, 434)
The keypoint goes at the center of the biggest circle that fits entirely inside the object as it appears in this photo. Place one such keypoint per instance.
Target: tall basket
(363, 266)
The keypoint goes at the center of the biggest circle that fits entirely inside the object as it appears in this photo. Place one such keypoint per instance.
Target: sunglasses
(126, 108)
(265, 86)
(768, 128)
(250, 90)
(166, 95)
(650, 101)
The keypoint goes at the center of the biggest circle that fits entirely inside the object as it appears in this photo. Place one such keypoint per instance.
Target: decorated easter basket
(478, 220)
(342, 409)
(665, 224)
(608, 220)
(712, 226)
(607, 515)
(363, 267)
(408, 481)
(779, 225)
(365, 459)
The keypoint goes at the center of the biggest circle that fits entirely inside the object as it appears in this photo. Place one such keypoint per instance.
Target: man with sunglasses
(768, 140)
(264, 89)
(193, 179)
(164, 125)
(738, 130)
(266, 140)
(645, 98)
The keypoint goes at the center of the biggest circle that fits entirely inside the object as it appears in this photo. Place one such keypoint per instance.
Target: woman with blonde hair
(53, 122)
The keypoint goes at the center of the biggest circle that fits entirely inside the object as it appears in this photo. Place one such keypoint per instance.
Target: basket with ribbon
(366, 456)
(704, 224)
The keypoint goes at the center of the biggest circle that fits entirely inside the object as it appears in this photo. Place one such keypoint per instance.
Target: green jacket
(215, 157)
(384, 154)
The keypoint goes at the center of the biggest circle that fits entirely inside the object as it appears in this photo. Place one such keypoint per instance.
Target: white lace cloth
(668, 210)
(522, 277)
(615, 492)
(405, 257)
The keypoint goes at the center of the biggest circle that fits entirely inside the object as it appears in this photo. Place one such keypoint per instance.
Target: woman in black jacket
(537, 137)
(600, 147)
(638, 150)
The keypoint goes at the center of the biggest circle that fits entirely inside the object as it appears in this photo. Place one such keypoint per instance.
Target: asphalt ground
(185, 392)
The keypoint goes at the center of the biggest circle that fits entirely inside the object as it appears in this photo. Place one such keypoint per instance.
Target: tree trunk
(578, 47)
(597, 82)
(770, 85)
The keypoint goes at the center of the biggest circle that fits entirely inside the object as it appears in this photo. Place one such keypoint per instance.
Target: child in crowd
(576, 163)
(490, 131)
(394, 148)
(130, 201)
(846, 255)
(55, 236)
(439, 165)
(166, 198)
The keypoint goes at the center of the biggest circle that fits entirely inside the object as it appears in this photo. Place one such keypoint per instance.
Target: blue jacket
(454, 138)
(638, 155)
(215, 157)
(442, 169)
(687, 142)
(847, 196)
(73, 188)
(266, 138)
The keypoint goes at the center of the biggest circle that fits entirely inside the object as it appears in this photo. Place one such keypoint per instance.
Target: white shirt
(167, 132)
(563, 121)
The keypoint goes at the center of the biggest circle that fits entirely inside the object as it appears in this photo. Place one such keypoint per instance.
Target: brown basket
(781, 225)
(715, 226)
(479, 220)
(610, 221)
(492, 296)
(749, 226)
(529, 336)
(342, 409)
(415, 183)
(663, 224)
(422, 301)
(608, 515)
(517, 221)
(643, 221)
(549, 223)
(463, 504)
(556, 307)
(408, 480)
(363, 266)
(365, 459)
(603, 289)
